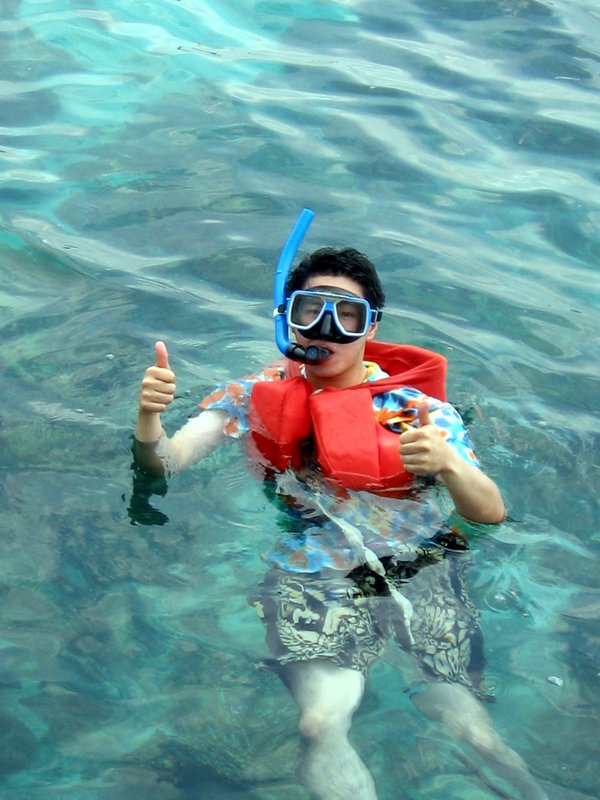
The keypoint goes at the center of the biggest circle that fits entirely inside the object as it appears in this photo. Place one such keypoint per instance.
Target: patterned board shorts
(421, 602)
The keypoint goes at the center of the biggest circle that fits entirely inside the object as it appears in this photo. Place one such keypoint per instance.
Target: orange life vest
(351, 446)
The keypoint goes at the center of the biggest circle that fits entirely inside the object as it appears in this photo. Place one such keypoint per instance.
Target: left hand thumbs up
(423, 450)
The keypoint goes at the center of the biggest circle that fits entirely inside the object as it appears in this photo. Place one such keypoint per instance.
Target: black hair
(348, 263)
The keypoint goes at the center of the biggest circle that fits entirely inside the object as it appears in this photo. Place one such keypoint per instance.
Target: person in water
(354, 438)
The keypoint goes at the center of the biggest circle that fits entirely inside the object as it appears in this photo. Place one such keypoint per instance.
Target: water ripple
(152, 159)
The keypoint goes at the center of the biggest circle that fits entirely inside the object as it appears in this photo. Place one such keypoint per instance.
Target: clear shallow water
(153, 157)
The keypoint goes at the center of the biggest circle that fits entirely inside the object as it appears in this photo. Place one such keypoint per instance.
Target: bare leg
(467, 719)
(327, 697)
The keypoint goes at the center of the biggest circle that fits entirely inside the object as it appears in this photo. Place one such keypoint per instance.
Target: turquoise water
(153, 158)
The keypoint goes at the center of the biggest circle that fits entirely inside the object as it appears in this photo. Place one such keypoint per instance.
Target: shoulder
(236, 393)
(273, 372)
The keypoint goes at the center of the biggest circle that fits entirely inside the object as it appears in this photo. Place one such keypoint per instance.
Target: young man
(353, 440)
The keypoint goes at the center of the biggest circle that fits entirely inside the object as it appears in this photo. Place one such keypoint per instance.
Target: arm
(153, 450)
(424, 451)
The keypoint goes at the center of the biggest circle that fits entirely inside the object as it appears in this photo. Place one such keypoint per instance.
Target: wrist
(149, 428)
(452, 465)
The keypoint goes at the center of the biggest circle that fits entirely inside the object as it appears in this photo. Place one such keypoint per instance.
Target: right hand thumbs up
(158, 384)
(162, 356)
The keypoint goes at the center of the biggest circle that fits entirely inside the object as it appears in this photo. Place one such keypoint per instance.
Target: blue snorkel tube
(312, 354)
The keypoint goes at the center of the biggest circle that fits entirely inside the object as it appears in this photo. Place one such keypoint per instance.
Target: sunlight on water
(153, 157)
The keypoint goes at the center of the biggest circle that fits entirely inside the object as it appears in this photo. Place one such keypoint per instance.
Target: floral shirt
(326, 532)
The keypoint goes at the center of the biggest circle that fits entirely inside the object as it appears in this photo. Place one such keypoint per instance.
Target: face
(344, 367)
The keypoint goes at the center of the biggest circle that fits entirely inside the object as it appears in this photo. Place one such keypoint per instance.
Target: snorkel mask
(323, 313)
(329, 314)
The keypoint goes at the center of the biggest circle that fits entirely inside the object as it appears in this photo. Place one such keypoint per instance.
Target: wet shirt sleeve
(234, 397)
(398, 410)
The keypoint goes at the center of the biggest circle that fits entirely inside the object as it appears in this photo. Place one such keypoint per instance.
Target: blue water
(153, 158)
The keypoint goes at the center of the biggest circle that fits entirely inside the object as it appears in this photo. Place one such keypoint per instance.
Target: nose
(325, 329)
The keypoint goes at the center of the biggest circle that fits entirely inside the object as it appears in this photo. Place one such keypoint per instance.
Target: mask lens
(305, 310)
(351, 316)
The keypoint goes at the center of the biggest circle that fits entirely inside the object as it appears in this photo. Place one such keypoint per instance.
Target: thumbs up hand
(423, 450)
(158, 384)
